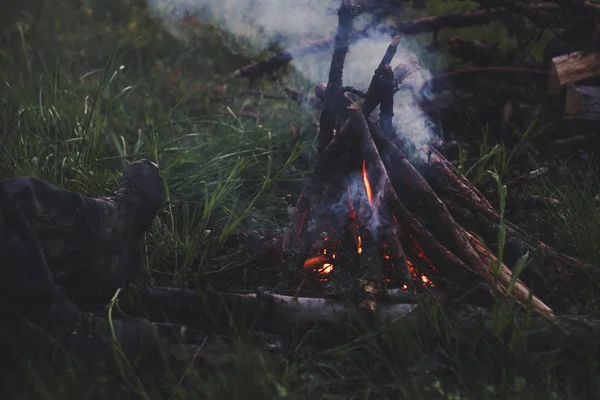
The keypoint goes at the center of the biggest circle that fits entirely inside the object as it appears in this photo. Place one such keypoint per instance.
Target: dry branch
(520, 180)
(272, 312)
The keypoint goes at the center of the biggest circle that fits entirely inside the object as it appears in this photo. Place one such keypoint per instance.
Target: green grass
(84, 92)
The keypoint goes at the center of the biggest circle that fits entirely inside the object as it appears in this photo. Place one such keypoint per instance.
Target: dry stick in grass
(459, 181)
(528, 177)
(475, 201)
(504, 277)
(556, 268)
(470, 198)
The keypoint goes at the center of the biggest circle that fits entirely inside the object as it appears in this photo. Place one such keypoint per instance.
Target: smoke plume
(286, 23)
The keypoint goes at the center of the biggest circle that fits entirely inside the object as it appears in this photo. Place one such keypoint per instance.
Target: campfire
(368, 218)
(323, 257)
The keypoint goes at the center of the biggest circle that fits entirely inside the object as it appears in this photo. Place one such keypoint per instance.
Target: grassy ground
(87, 88)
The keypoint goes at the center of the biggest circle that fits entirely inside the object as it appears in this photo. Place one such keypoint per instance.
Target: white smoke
(260, 22)
(287, 23)
(410, 122)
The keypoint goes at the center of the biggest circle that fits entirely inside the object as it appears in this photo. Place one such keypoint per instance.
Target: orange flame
(366, 181)
(359, 244)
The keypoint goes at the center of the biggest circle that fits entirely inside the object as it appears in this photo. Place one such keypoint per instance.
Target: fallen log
(272, 312)
(288, 315)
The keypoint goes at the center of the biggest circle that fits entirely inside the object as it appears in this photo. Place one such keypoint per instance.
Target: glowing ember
(420, 251)
(366, 181)
(314, 261)
(424, 279)
(359, 244)
(326, 269)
